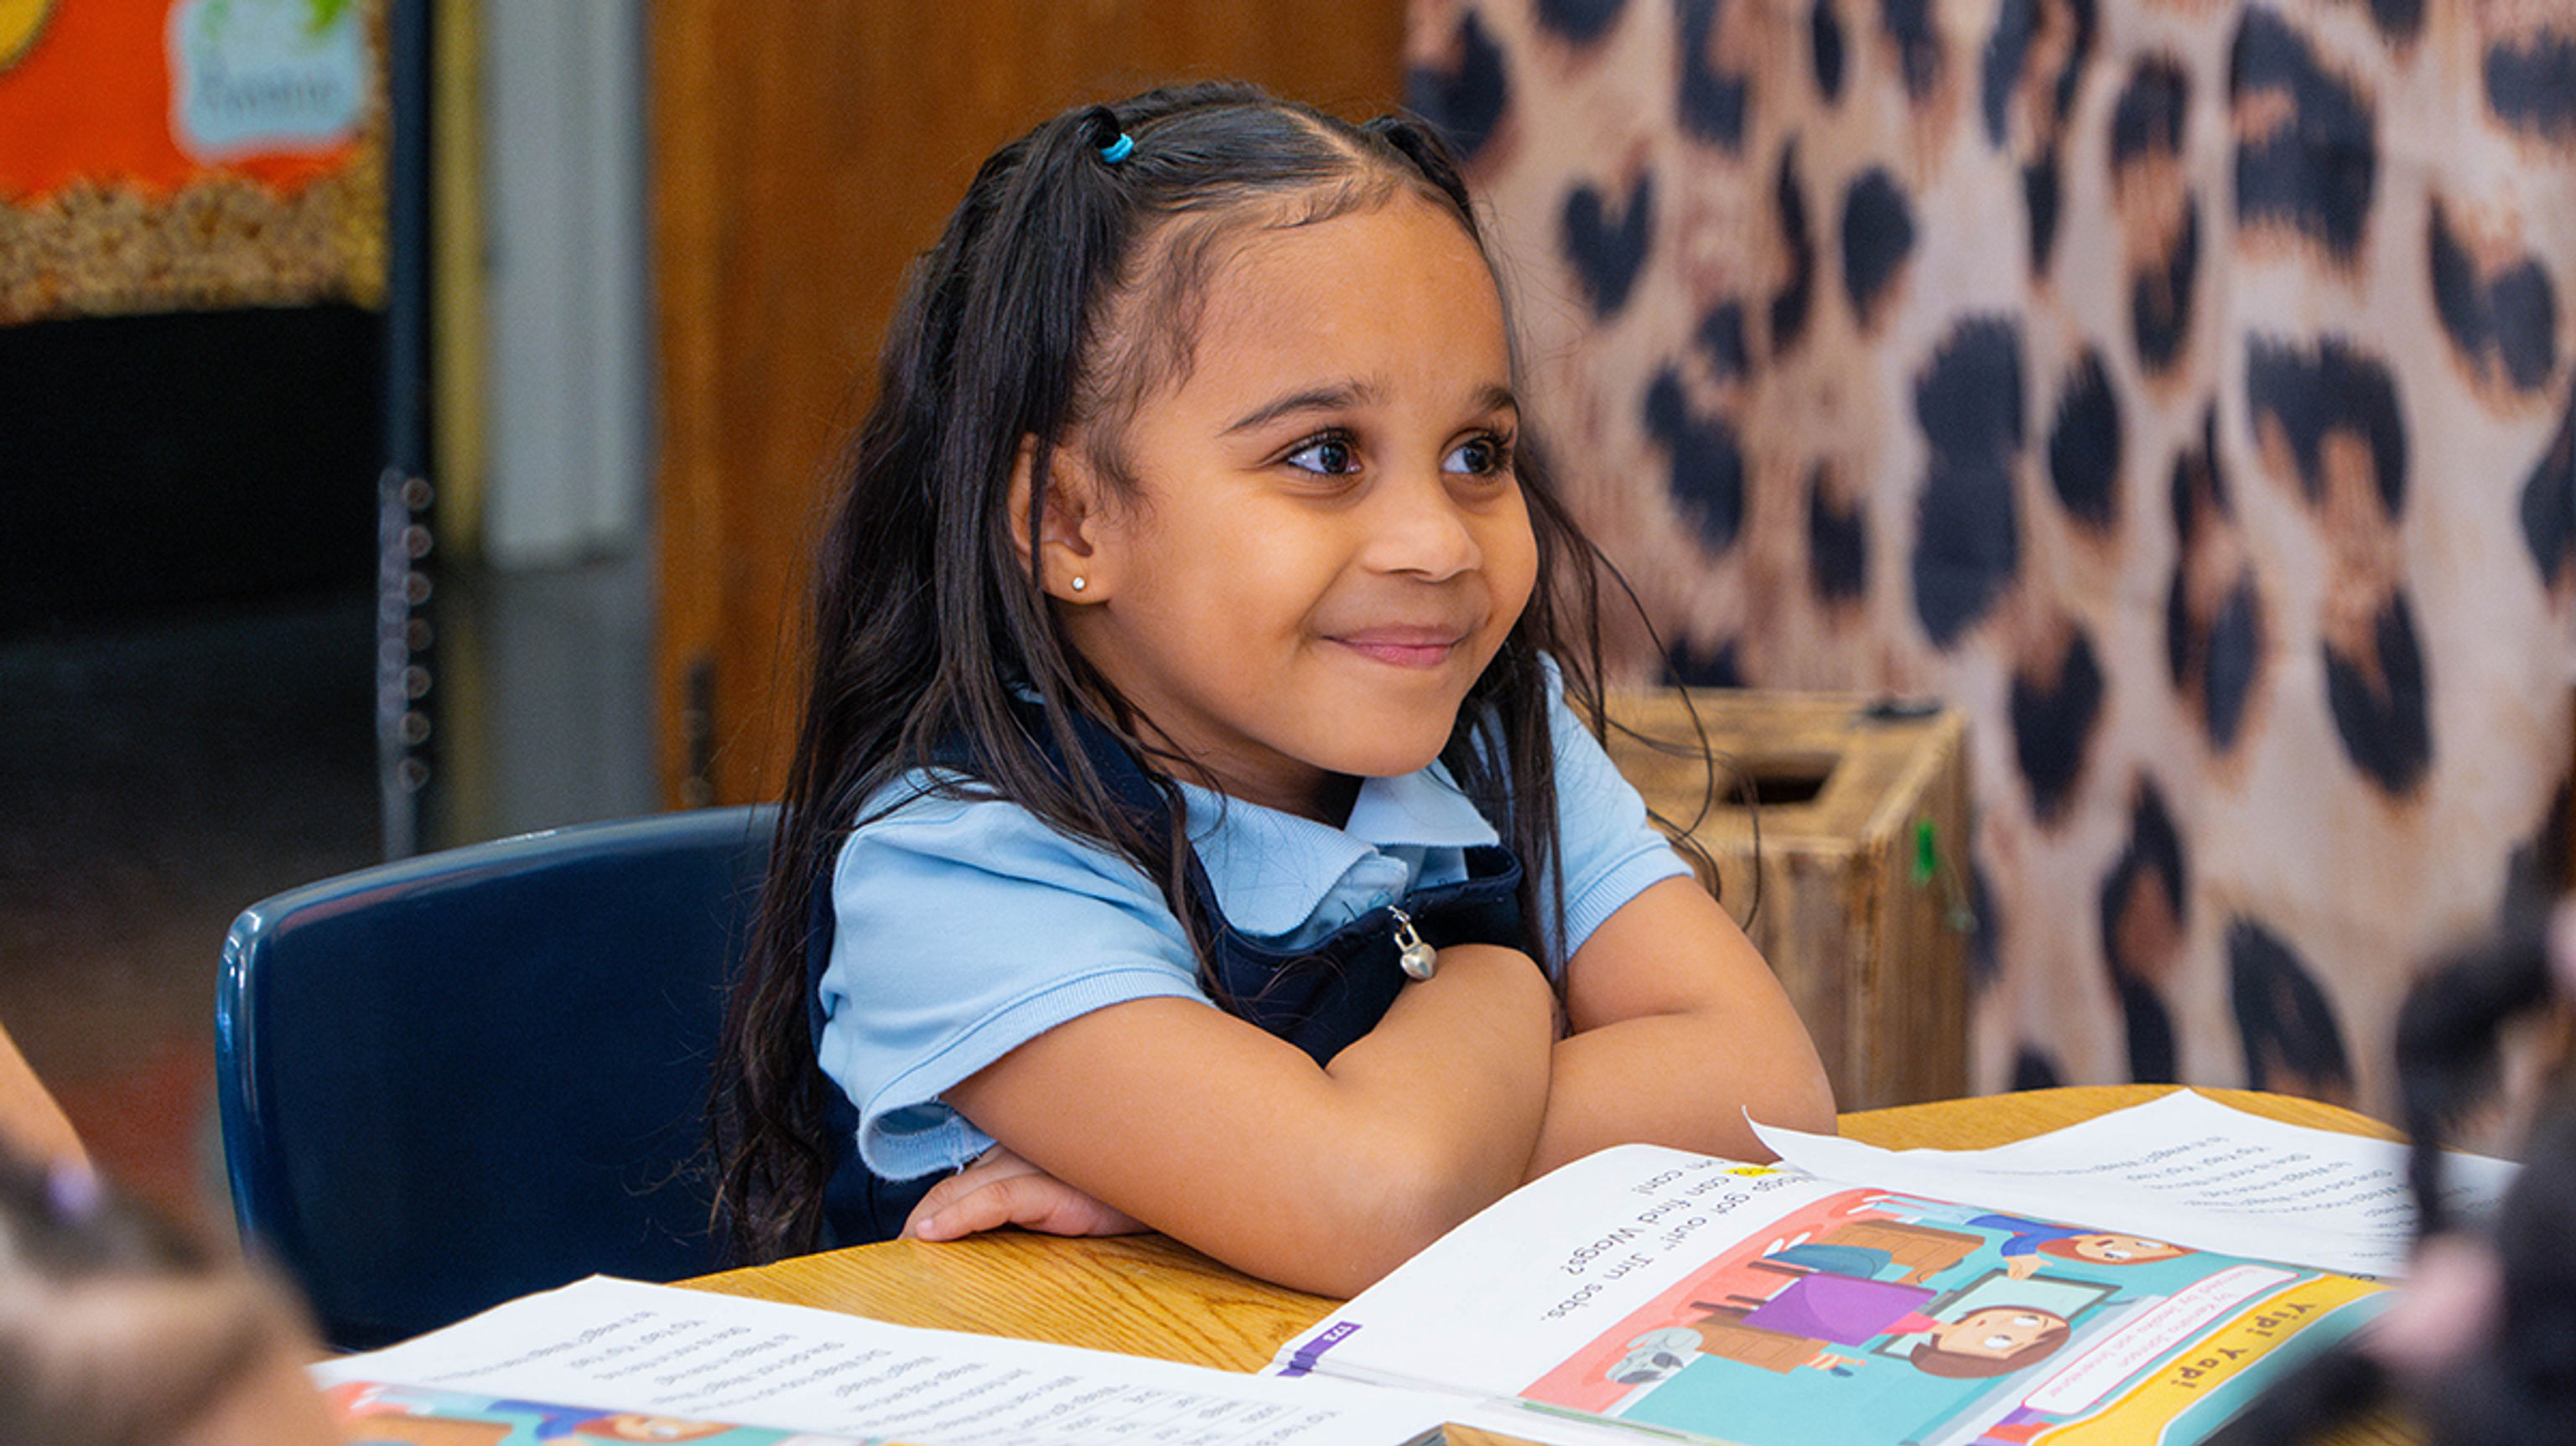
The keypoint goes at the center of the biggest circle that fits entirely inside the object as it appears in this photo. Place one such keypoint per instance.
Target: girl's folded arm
(1676, 1028)
(1225, 1137)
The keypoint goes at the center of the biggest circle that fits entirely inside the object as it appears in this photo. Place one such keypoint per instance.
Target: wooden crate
(1862, 902)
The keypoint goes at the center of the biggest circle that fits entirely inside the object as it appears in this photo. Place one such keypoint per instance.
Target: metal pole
(404, 743)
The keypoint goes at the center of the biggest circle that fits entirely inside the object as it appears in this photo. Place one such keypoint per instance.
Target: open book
(1763, 1306)
(1641, 1288)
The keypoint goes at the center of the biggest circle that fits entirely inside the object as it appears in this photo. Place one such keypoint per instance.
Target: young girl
(1188, 829)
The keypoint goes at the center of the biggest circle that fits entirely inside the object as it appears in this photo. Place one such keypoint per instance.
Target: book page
(2186, 1168)
(1763, 1306)
(617, 1345)
(1531, 1278)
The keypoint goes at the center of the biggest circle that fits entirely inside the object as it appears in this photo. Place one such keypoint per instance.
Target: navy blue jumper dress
(1321, 997)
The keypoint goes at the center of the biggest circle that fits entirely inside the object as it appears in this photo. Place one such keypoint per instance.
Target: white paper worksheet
(620, 1345)
(2188, 1169)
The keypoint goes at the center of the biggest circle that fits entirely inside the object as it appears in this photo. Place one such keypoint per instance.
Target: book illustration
(373, 1413)
(1872, 1316)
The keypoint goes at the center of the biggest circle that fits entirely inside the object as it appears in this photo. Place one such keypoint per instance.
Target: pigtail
(2446, 1047)
(2515, 1379)
(2519, 1383)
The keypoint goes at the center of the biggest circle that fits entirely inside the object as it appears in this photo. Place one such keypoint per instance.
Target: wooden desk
(1150, 1296)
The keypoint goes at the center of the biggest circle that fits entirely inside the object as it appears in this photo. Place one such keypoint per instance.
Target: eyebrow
(1314, 399)
(1492, 398)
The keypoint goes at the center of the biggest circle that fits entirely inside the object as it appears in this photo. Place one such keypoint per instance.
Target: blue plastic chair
(456, 1079)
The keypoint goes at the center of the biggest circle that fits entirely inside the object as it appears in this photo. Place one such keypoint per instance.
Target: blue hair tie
(1119, 149)
(72, 1190)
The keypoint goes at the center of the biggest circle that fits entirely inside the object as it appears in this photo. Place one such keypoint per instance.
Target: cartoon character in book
(1871, 1247)
(2027, 1240)
(1798, 1326)
(2031, 1239)
(1994, 1341)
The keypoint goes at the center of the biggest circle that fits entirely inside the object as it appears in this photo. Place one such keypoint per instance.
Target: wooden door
(802, 154)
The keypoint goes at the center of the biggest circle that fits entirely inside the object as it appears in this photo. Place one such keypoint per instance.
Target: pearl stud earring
(1079, 584)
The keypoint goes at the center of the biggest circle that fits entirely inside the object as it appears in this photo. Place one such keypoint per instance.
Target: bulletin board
(183, 155)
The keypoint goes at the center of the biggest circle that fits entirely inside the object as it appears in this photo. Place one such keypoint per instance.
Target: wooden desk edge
(1985, 1121)
(1148, 1295)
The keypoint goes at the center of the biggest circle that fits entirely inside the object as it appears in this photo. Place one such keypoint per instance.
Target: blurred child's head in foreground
(117, 1330)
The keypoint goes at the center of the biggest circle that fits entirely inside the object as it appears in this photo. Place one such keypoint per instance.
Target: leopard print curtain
(2179, 387)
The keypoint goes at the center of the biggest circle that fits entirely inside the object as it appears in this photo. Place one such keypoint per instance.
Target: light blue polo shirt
(965, 927)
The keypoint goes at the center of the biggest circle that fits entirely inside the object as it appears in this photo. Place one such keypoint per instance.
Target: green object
(1927, 851)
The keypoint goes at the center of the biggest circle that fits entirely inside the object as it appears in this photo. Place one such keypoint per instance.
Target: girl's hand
(1000, 1189)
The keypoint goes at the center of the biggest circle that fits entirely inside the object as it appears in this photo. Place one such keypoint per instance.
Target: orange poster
(178, 154)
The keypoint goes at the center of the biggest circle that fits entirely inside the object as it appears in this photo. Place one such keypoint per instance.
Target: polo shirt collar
(1273, 870)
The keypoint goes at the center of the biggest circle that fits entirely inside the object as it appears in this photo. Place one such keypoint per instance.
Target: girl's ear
(1073, 565)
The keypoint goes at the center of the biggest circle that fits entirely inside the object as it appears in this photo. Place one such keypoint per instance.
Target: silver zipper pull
(1417, 959)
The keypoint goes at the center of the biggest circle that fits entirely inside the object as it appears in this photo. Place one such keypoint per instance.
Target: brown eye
(1327, 456)
(1479, 457)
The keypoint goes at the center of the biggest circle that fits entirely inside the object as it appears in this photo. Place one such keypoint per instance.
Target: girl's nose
(1422, 530)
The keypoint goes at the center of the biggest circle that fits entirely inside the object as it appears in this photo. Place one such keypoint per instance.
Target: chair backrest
(459, 1078)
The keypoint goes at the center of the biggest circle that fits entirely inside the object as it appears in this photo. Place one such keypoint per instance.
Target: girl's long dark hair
(925, 610)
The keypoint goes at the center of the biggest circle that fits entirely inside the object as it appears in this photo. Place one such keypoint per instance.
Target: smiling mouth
(1404, 647)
